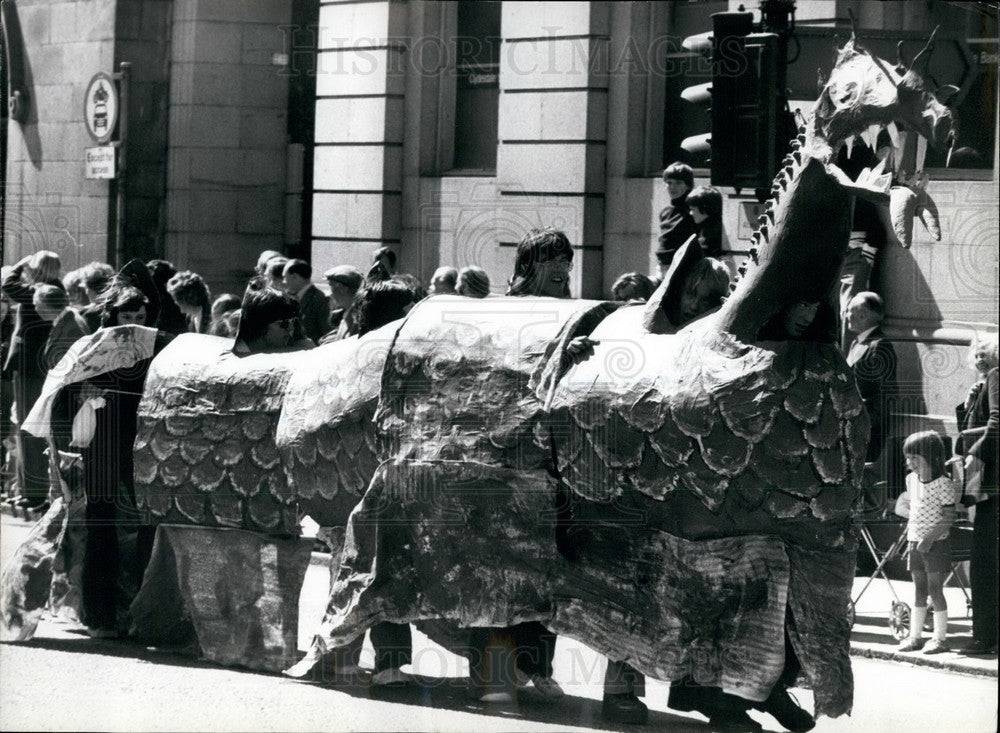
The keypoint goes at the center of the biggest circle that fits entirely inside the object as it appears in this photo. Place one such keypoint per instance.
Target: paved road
(63, 680)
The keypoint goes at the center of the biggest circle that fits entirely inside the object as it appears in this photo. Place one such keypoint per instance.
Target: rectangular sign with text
(99, 162)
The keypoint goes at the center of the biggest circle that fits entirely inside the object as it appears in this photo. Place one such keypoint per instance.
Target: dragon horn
(854, 26)
(923, 58)
(901, 63)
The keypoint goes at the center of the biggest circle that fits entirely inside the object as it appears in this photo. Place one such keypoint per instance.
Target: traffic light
(745, 100)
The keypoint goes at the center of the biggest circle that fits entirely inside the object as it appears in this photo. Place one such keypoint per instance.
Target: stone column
(359, 131)
(553, 125)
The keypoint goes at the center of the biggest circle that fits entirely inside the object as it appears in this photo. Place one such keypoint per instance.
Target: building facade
(445, 130)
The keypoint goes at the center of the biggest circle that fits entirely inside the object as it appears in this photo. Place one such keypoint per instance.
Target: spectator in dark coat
(26, 363)
(978, 422)
(873, 360)
(676, 224)
(705, 205)
(314, 308)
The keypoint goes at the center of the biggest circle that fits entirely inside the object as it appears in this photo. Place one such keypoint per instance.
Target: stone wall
(227, 136)
(49, 203)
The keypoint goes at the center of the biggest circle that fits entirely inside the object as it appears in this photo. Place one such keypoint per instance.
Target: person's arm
(14, 287)
(984, 450)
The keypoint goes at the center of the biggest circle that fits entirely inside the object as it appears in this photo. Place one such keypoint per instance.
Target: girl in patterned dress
(931, 512)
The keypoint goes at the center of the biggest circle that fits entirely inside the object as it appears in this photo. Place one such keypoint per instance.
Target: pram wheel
(899, 620)
(851, 613)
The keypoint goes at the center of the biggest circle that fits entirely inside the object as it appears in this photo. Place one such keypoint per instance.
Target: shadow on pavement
(454, 694)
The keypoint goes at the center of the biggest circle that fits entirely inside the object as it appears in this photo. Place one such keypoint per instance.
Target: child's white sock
(917, 619)
(940, 624)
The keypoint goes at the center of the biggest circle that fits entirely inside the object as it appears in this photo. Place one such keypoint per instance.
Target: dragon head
(865, 94)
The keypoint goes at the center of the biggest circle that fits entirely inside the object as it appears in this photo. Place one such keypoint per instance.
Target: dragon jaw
(866, 94)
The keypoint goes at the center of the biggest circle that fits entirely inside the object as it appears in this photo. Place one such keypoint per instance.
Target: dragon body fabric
(680, 502)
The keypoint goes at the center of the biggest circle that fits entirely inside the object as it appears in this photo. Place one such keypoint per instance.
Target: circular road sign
(100, 107)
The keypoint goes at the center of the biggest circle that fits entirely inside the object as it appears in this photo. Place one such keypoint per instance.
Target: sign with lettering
(479, 76)
(100, 107)
(99, 162)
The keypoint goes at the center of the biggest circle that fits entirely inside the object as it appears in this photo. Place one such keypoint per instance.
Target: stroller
(875, 519)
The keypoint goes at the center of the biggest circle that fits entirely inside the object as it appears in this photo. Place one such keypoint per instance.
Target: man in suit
(873, 361)
(314, 307)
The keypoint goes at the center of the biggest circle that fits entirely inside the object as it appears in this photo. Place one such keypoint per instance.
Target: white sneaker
(497, 698)
(391, 676)
(547, 687)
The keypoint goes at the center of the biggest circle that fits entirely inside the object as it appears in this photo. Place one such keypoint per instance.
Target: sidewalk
(871, 636)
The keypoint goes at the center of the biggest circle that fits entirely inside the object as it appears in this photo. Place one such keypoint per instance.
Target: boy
(676, 224)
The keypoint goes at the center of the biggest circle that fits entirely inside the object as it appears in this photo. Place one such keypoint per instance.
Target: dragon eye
(844, 96)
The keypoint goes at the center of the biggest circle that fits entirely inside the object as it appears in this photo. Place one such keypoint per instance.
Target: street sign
(100, 107)
(99, 162)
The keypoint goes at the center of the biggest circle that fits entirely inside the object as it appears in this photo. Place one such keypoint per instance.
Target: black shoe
(781, 706)
(735, 720)
(624, 708)
(979, 647)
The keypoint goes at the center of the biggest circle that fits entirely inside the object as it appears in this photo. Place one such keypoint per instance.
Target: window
(477, 93)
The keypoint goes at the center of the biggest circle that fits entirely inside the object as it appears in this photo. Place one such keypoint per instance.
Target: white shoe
(547, 687)
(391, 676)
(497, 698)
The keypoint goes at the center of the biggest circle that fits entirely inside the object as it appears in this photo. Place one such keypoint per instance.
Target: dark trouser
(530, 645)
(33, 468)
(101, 565)
(623, 679)
(393, 645)
(983, 572)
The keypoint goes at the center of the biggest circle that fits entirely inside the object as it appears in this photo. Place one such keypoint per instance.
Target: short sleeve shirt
(927, 503)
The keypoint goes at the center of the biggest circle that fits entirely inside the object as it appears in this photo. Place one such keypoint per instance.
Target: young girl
(931, 513)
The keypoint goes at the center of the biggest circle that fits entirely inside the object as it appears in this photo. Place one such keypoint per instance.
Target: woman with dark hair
(267, 321)
(382, 303)
(542, 264)
(124, 305)
(192, 296)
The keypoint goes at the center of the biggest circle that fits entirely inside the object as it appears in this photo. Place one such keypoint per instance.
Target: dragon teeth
(921, 152)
